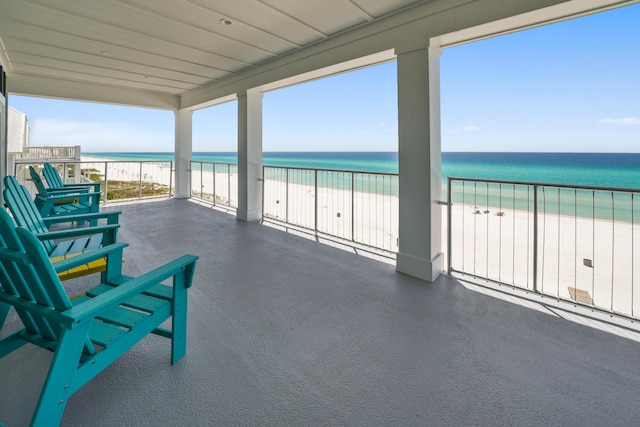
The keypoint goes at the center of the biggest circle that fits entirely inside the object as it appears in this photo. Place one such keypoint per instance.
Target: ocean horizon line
(373, 151)
(616, 170)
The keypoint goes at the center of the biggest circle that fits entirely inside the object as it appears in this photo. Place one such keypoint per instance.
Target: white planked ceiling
(167, 46)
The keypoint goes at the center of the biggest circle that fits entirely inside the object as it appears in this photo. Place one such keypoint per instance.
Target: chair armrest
(67, 190)
(77, 260)
(68, 195)
(96, 185)
(111, 216)
(76, 232)
(89, 309)
(44, 311)
(80, 191)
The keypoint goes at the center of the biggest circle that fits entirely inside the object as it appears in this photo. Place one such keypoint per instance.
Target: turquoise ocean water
(618, 170)
(600, 169)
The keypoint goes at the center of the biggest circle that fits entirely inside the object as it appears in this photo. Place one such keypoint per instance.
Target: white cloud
(464, 129)
(625, 121)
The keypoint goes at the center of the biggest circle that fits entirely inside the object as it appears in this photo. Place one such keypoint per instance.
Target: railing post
(106, 185)
(215, 169)
(264, 179)
(315, 221)
(535, 238)
(229, 184)
(140, 190)
(77, 167)
(202, 179)
(171, 179)
(353, 210)
(286, 202)
(449, 228)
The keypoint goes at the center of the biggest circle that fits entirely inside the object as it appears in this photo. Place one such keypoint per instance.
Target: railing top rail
(547, 184)
(70, 161)
(213, 163)
(304, 169)
(332, 170)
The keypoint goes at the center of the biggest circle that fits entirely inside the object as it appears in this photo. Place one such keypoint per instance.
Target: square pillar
(183, 153)
(420, 170)
(3, 135)
(77, 170)
(250, 155)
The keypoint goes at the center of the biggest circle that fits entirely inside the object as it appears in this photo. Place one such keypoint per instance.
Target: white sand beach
(591, 260)
(220, 186)
(156, 171)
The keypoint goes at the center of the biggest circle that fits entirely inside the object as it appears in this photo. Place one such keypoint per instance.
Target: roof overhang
(415, 25)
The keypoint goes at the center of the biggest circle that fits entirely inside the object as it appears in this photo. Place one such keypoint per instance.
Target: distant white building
(18, 131)
(17, 136)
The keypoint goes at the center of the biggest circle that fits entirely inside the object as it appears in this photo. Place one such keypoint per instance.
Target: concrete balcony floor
(285, 331)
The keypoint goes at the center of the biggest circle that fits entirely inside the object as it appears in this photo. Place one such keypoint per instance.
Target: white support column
(420, 250)
(77, 170)
(183, 153)
(3, 135)
(250, 155)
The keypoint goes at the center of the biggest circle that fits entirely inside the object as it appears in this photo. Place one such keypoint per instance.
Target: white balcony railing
(215, 182)
(121, 180)
(579, 244)
(49, 153)
(359, 207)
(575, 243)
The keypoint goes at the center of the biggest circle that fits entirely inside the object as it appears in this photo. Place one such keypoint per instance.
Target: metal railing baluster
(610, 268)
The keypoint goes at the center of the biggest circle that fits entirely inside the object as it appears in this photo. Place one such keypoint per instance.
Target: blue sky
(572, 86)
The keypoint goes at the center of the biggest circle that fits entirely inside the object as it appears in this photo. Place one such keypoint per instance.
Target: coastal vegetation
(127, 189)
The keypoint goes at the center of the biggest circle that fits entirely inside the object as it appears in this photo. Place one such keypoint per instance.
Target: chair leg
(4, 311)
(179, 318)
(57, 386)
(94, 208)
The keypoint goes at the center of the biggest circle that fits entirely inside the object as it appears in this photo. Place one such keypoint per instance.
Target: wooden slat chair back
(90, 332)
(63, 201)
(16, 277)
(54, 179)
(24, 210)
(52, 176)
(41, 187)
(79, 240)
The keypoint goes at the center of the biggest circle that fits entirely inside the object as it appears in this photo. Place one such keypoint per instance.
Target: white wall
(17, 131)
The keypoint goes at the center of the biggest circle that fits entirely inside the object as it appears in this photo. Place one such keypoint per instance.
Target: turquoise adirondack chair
(54, 180)
(26, 214)
(90, 332)
(63, 201)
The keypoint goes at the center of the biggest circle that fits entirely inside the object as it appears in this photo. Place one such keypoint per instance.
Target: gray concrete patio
(288, 332)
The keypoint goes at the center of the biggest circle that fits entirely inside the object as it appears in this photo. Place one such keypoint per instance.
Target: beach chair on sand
(79, 240)
(54, 180)
(63, 201)
(90, 332)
